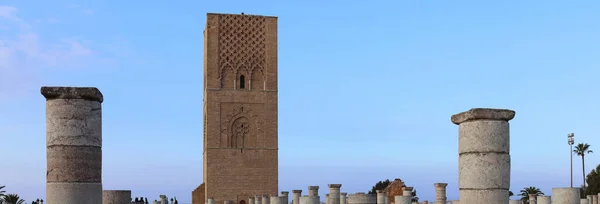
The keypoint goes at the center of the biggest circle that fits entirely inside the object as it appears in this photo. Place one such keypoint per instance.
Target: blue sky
(366, 90)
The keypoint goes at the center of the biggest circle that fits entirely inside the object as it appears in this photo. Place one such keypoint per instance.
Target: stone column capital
(344, 193)
(285, 193)
(440, 185)
(296, 191)
(407, 188)
(483, 114)
(334, 185)
(379, 191)
(313, 187)
(86, 93)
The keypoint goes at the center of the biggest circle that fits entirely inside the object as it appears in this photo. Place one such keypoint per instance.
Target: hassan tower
(240, 108)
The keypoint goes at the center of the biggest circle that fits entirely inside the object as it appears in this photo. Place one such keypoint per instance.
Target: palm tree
(1, 191)
(12, 199)
(510, 194)
(581, 149)
(529, 190)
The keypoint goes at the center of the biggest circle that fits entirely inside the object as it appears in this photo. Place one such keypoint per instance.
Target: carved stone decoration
(241, 45)
(240, 127)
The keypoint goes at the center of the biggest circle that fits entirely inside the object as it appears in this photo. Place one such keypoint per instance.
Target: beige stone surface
(484, 136)
(565, 196)
(58, 92)
(334, 194)
(493, 196)
(296, 196)
(74, 164)
(240, 119)
(362, 198)
(116, 197)
(73, 193)
(484, 171)
(583, 201)
(483, 114)
(403, 199)
(543, 200)
(73, 122)
(440, 193)
(343, 198)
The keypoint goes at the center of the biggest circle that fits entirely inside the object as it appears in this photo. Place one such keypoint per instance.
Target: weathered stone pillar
(275, 199)
(594, 199)
(116, 197)
(313, 191)
(362, 198)
(310, 200)
(583, 201)
(257, 199)
(515, 202)
(73, 145)
(326, 198)
(406, 197)
(589, 198)
(265, 199)
(228, 202)
(343, 197)
(250, 200)
(565, 195)
(296, 196)
(385, 197)
(543, 200)
(380, 197)
(334, 193)
(483, 155)
(155, 202)
(440, 193)
(285, 197)
(211, 201)
(532, 198)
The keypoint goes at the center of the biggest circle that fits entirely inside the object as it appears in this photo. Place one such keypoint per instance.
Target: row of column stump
(74, 157)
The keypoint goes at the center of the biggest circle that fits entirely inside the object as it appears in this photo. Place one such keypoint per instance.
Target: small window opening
(242, 82)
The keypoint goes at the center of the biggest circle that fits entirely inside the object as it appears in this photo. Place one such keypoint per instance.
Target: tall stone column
(211, 201)
(584, 201)
(251, 200)
(285, 197)
(531, 198)
(257, 199)
(116, 197)
(313, 191)
(265, 199)
(483, 155)
(73, 145)
(380, 197)
(565, 195)
(543, 200)
(296, 196)
(589, 198)
(343, 197)
(326, 198)
(440, 193)
(334, 193)
(594, 199)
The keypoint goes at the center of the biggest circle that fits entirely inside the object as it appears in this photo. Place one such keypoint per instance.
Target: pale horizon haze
(366, 88)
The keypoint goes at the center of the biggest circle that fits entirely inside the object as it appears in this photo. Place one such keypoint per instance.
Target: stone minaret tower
(240, 108)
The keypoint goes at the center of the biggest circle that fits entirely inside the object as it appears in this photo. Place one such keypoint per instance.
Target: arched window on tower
(242, 82)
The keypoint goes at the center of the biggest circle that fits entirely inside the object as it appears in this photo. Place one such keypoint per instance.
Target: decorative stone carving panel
(241, 46)
(241, 125)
